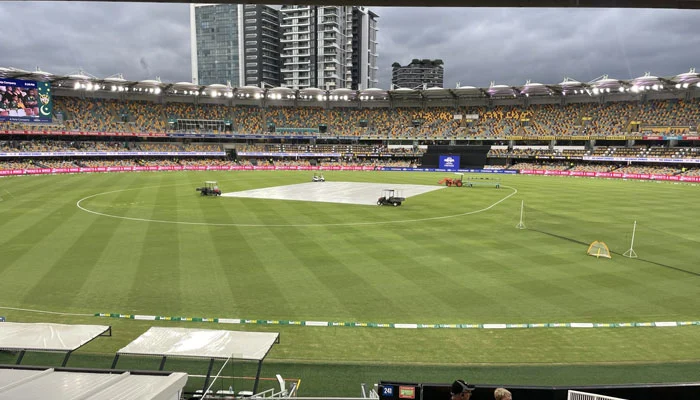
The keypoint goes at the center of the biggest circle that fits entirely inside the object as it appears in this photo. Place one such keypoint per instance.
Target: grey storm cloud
(508, 46)
(511, 46)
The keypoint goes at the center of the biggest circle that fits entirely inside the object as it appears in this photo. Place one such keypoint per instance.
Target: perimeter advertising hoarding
(25, 101)
(449, 162)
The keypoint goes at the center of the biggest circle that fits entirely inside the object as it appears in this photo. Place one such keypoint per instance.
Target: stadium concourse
(645, 126)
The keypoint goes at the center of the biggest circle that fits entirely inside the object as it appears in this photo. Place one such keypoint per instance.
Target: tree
(395, 65)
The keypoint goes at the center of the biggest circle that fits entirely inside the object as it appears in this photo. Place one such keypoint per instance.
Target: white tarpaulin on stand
(204, 343)
(17, 336)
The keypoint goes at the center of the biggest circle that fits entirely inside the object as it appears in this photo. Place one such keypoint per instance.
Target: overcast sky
(508, 46)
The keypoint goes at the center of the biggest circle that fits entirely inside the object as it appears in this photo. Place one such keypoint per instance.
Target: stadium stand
(655, 134)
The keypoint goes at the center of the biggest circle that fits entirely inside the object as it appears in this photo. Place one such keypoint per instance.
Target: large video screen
(25, 101)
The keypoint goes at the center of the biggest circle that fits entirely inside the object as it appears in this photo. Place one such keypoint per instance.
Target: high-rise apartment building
(418, 74)
(235, 43)
(365, 73)
(328, 47)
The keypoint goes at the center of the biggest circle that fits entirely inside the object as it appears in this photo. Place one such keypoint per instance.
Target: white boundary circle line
(513, 193)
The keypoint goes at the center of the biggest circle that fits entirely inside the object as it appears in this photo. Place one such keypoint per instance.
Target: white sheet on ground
(334, 192)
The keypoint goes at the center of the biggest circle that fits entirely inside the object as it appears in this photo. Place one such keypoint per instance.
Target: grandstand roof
(116, 83)
(37, 383)
(682, 4)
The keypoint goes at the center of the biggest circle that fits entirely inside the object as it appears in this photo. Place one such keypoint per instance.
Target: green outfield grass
(451, 256)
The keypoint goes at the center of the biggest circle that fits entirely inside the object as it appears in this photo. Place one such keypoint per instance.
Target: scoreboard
(25, 101)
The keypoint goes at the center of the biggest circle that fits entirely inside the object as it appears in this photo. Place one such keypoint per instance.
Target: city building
(328, 47)
(235, 43)
(365, 72)
(419, 74)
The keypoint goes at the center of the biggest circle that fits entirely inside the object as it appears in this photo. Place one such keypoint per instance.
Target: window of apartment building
(251, 57)
(250, 28)
(251, 64)
(249, 13)
(251, 72)
(251, 35)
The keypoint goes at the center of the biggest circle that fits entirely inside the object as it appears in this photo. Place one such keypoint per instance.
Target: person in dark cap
(461, 390)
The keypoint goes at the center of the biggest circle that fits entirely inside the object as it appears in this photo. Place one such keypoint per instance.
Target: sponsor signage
(615, 175)
(407, 392)
(644, 159)
(278, 154)
(449, 162)
(111, 153)
(78, 133)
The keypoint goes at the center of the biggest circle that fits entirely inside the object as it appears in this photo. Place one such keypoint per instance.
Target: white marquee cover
(17, 336)
(202, 343)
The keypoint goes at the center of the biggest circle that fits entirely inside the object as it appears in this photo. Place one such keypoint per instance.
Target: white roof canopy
(17, 336)
(202, 343)
(20, 384)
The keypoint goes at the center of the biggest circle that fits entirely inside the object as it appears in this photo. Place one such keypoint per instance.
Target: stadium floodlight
(213, 93)
(345, 97)
(678, 85)
(685, 85)
(114, 88)
(634, 89)
(319, 97)
(157, 90)
(596, 91)
(607, 90)
(655, 87)
(88, 86)
(621, 89)
(697, 84)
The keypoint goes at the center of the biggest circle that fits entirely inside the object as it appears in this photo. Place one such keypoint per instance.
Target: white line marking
(513, 193)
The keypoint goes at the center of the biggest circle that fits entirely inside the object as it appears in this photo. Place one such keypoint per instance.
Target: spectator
(502, 394)
(461, 390)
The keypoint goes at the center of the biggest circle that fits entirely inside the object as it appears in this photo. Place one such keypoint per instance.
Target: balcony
(295, 55)
(270, 13)
(292, 70)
